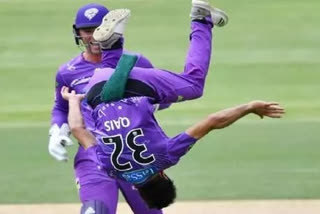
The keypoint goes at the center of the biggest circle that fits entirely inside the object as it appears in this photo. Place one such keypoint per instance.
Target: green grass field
(270, 50)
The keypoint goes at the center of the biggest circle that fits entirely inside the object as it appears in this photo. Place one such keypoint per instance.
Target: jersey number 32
(137, 150)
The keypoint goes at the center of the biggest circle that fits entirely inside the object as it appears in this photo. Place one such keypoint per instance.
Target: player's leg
(170, 87)
(111, 56)
(133, 198)
(202, 8)
(204, 17)
(98, 191)
(101, 196)
(95, 186)
(109, 35)
(94, 207)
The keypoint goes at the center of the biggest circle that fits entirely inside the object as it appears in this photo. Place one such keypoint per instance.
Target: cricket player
(127, 129)
(131, 144)
(138, 151)
(97, 190)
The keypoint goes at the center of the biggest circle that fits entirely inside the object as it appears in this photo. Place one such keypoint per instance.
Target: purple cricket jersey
(132, 146)
(76, 74)
(93, 180)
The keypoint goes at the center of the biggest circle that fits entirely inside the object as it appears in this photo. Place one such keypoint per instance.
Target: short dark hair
(159, 192)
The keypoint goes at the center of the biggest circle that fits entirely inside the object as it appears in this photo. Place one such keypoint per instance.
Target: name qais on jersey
(118, 116)
(115, 123)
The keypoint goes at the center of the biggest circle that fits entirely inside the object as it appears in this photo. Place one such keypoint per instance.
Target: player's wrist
(250, 107)
(74, 100)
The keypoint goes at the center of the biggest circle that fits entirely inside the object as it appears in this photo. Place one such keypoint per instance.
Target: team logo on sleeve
(90, 13)
(70, 67)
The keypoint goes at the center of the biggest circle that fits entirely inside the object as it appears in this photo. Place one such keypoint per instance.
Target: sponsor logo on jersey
(80, 81)
(139, 176)
(90, 13)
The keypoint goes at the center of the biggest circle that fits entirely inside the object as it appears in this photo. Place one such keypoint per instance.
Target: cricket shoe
(112, 27)
(202, 8)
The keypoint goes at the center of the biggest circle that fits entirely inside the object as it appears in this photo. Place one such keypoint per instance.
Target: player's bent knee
(197, 91)
(96, 207)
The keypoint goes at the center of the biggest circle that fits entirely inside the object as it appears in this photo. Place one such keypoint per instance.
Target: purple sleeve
(179, 145)
(86, 111)
(59, 114)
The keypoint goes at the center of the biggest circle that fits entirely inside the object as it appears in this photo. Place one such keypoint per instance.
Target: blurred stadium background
(270, 50)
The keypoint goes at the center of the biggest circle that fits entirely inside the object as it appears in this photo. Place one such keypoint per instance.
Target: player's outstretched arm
(75, 119)
(59, 132)
(228, 116)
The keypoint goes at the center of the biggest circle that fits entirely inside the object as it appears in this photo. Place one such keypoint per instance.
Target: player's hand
(71, 95)
(58, 140)
(268, 109)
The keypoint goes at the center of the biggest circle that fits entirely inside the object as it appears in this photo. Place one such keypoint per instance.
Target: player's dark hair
(159, 192)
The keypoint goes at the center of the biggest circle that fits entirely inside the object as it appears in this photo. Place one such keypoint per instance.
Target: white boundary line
(186, 207)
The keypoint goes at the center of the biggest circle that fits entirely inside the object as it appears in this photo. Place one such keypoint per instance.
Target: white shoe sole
(215, 12)
(109, 24)
(201, 4)
(224, 17)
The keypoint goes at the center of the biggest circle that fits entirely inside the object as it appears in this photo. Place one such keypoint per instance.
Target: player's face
(88, 40)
